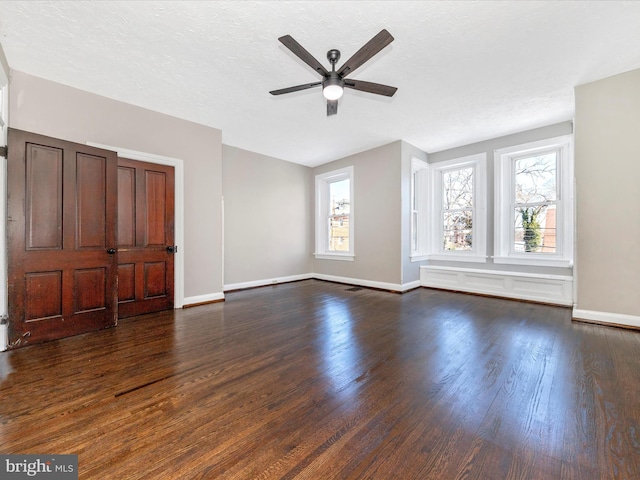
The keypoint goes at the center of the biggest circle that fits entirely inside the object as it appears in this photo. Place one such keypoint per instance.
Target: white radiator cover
(554, 289)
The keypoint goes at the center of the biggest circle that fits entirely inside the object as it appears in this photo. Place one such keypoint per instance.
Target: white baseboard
(197, 299)
(555, 289)
(267, 281)
(394, 287)
(411, 285)
(607, 317)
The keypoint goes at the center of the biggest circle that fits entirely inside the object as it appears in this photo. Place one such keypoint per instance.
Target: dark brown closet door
(61, 216)
(145, 237)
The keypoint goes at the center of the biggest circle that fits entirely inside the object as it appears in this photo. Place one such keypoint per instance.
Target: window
(419, 191)
(457, 210)
(534, 214)
(334, 215)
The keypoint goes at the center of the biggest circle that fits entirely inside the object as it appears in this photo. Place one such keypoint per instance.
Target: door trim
(178, 165)
(4, 91)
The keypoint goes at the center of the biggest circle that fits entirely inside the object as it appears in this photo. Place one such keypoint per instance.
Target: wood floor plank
(310, 380)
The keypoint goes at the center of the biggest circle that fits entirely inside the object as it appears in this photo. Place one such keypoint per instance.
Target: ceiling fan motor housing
(333, 79)
(333, 56)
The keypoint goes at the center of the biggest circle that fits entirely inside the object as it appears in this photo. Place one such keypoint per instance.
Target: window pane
(536, 179)
(458, 230)
(339, 233)
(457, 189)
(414, 198)
(339, 197)
(535, 229)
(414, 231)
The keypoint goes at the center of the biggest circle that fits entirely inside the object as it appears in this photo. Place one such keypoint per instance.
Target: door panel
(155, 281)
(44, 197)
(62, 207)
(155, 201)
(43, 295)
(90, 198)
(126, 282)
(90, 286)
(126, 207)
(145, 229)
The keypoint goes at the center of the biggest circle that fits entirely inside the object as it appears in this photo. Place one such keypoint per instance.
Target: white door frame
(178, 165)
(4, 125)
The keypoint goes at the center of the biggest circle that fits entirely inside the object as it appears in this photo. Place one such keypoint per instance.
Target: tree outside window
(457, 209)
(535, 203)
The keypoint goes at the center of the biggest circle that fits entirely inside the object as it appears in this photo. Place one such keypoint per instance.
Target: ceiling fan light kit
(333, 83)
(333, 87)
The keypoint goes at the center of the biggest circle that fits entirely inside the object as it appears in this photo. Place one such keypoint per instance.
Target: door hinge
(4, 151)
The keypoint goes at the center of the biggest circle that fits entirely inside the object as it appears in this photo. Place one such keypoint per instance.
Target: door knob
(111, 251)
(172, 249)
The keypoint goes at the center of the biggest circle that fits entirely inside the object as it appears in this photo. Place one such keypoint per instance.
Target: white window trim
(418, 209)
(504, 204)
(322, 204)
(4, 125)
(4, 100)
(479, 252)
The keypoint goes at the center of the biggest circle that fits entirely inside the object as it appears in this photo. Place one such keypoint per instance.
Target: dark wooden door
(145, 237)
(61, 224)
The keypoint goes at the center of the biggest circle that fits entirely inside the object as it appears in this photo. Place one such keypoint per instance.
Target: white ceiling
(465, 71)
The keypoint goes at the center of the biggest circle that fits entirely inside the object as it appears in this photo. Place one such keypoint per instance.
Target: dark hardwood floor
(311, 380)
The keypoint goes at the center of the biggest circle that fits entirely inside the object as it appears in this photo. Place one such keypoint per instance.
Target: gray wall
(488, 147)
(377, 183)
(56, 110)
(268, 217)
(608, 194)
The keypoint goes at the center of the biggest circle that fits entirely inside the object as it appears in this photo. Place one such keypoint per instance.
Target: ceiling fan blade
(372, 47)
(295, 89)
(332, 107)
(371, 87)
(303, 55)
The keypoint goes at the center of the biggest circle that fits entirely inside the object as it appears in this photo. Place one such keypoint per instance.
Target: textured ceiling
(465, 71)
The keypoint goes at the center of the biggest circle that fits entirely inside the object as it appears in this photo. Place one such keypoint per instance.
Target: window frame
(478, 252)
(323, 182)
(418, 211)
(505, 203)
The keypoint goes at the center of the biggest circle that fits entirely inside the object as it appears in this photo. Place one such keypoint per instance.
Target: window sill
(419, 257)
(535, 261)
(457, 257)
(335, 256)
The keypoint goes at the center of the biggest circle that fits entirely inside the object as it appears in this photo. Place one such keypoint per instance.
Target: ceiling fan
(334, 82)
